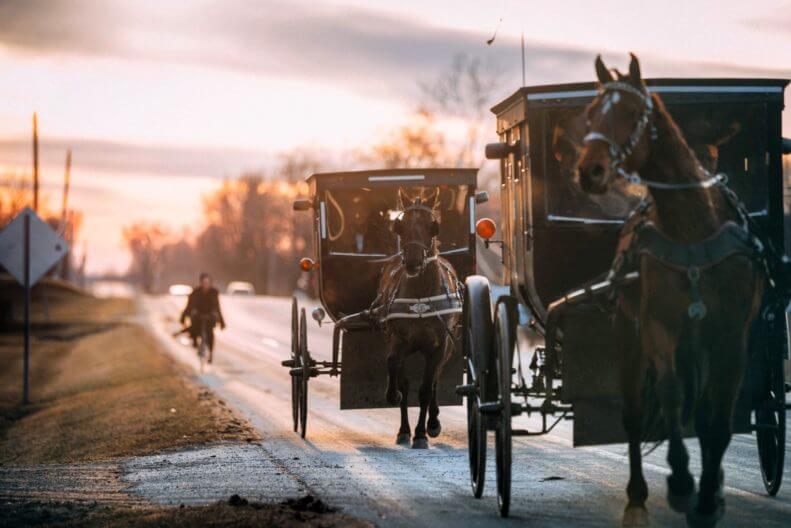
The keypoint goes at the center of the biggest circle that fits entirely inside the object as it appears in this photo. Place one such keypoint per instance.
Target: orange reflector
(306, 264)
(485, 228)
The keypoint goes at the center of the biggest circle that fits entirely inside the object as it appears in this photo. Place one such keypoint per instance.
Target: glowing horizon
(161, 101)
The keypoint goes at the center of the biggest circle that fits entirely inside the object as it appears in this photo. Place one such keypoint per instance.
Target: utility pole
(66, 230)
(66, 182)
(35, 162)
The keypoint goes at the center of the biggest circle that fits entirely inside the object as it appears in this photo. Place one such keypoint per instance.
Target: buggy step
(466, 390)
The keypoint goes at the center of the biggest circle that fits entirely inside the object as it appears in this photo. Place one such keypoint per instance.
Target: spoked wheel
(476, 343)
(295, 359)
(770, 419)
(303, 379)
(504, 343)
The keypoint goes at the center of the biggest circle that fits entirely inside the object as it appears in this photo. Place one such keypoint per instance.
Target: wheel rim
(503, 444)
(303, 345)
(476, 430)
(771, 439)
(295, 360)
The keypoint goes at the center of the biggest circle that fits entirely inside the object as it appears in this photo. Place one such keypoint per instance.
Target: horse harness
(389, 307)
(642, 238)
(446, 303)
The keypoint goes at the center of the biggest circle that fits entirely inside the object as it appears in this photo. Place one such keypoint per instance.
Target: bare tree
(463, 94)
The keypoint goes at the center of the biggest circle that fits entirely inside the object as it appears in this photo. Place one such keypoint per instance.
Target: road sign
(46, 247)
(28, 249)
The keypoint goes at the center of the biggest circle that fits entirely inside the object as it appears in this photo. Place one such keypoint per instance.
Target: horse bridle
(417, 206)
(620, 153)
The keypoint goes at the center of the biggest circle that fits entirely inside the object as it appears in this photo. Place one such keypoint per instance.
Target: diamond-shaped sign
(46, 247)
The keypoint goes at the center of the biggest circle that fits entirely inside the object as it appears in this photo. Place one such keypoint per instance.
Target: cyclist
(203, 308)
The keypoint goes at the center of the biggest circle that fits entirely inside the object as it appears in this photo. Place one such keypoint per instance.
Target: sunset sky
(160, 100)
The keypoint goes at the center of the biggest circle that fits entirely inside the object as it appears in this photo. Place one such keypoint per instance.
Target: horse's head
(616, 142)
(416, 227)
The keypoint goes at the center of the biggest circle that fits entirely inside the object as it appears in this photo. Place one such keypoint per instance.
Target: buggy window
(726, 137)
(359, 220)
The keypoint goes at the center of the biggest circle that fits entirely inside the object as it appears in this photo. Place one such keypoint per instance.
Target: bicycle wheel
(202, 349)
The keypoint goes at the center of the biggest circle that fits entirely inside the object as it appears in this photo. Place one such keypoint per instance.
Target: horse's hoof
(393, 398)
(403, 439)
(696, 519)
(681, 503)
(420, 443)
(636, 516)
(434, 431)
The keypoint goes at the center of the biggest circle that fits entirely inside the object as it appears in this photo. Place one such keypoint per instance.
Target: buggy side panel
(364, 374)
(591, 380)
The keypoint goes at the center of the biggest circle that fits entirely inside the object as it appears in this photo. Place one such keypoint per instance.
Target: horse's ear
(403, 198)
(398, 227)
(434, 228)
(602, 72)
(634, 70)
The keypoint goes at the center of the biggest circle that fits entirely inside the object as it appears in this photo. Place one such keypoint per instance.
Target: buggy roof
(772, 88)
(367, 178)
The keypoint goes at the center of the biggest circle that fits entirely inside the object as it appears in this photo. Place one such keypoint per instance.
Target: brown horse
(420, 309)
(684, 321)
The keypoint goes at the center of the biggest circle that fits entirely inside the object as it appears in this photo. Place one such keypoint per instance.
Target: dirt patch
(101, 389)
(236, 511)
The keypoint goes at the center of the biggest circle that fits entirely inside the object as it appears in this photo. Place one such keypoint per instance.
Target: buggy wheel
(306, 365)
(504, 344)
(476, 343)
(770, 419)
(295, 351)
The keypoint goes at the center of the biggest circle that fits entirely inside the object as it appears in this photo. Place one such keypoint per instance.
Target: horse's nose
(591, 176)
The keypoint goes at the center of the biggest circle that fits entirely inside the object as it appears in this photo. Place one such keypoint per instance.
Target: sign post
(28, 249)
(26, 359)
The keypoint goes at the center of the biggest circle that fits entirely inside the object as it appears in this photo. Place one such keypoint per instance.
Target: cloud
(779, 21)
(363, 49)
(108, 157)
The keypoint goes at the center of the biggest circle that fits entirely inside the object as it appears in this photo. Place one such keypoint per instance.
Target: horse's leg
(420, 440)
(395, 357)
(660, 344)
(404, 432)
(633, 383)
(434, 425)
(722, 391)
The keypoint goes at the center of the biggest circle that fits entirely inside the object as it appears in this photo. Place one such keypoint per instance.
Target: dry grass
(101, 389)
(221, 514)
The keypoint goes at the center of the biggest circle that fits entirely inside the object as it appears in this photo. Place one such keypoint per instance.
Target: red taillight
(306, 264)
(485, 228)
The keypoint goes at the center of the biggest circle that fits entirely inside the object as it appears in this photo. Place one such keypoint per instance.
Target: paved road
(350, 457)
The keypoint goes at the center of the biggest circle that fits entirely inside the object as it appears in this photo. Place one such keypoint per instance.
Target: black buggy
(352, 216)
(557, 241)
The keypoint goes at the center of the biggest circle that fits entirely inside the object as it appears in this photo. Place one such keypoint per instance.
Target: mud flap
(364, 373)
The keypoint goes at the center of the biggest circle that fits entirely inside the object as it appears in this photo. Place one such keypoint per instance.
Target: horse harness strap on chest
(729, 240)
(422, 308)
(445, 303)
(642, 237)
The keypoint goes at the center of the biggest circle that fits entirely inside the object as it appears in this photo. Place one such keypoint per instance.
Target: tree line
(249, 231)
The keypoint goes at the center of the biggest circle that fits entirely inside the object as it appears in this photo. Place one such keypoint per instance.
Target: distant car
(179, 290)
(240, 288)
